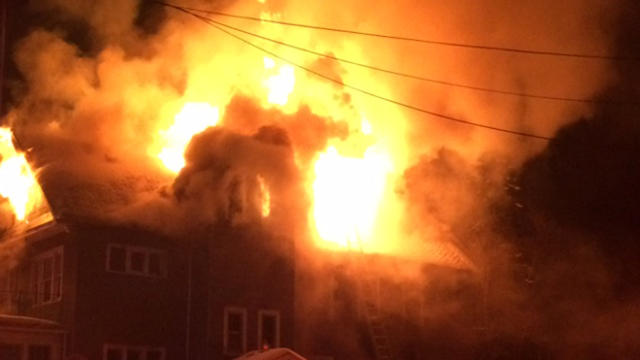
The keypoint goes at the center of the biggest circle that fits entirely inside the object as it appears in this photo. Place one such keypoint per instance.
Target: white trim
(146, 252)
(261, 314)
(228, 310)
(37, 265)
(123, 348)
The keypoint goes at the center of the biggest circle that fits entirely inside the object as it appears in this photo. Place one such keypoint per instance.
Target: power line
(422, 78)
(413, 39)
(360, 90)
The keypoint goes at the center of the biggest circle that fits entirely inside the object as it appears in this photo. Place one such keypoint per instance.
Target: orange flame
(351, 182)
(17, 182)
(347, 193)
(265, 197)
(281, 84)
(191, 120)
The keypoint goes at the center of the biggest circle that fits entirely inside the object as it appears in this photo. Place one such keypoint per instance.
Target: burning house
(201, 179)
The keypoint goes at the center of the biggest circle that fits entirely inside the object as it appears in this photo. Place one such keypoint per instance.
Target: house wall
(241, 267)
(127, 309)
(251, 270)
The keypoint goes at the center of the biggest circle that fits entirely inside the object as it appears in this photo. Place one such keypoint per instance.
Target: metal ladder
(377, 328)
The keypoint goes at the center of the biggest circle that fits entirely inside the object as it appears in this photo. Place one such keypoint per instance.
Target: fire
(265, 197)
(281, 84)
(192, 119)
(17, 182)
(347, 194)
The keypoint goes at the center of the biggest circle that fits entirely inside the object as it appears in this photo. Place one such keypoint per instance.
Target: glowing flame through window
(265, 197)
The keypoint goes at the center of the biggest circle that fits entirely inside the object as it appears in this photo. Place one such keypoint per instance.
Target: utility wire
(356, 88)
(413, 39)
(422, 78)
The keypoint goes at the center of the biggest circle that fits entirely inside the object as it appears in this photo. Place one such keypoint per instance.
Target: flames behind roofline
(19, 186)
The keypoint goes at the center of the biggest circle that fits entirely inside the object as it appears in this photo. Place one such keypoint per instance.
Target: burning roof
(179, 124)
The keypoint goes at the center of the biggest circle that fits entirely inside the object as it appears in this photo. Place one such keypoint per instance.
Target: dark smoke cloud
(309, 133)
(576, 224)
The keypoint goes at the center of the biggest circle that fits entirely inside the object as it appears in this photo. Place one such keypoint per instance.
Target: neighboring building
(120, 293)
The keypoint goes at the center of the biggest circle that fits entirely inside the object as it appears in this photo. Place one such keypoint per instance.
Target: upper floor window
(235, 331)
(9, 289)
(125, 352)
(39, 352)
(25, 352)
(46, 277)
(268, 329)
(136, 260)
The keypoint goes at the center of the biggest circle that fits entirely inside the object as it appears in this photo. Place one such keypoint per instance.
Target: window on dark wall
(235, 332)
(136, 260)
(268, 329)
(113, 353)
(117, 256)
(9, 290)
(134, 354)
(39, 352)
(46, 277)
(126, 352)
(155, 355)
(10, 352)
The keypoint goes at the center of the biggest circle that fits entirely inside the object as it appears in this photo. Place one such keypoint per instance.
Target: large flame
(350, 183)
(17, 182)
(192, 119)
(281, 84)
(347, 193)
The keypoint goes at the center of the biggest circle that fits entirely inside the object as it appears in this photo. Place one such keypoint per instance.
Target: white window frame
(124, 348)
(229, 310)
(261, 314)
(37, 265)
(147, 251)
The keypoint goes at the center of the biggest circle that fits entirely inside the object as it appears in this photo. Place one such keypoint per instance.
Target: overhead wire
(415, 39)
(423, 78)
(359, 89)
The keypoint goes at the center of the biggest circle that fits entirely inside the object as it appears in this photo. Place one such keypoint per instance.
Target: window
(10, 352)
(155, 354)
(39, 352)
(9, 292)
(235, 334)
(136, 260)
(268, 329)
(124, 352)
(46, 277)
